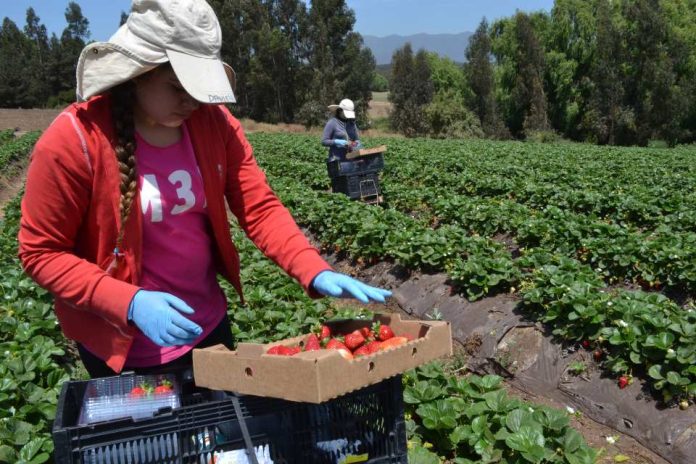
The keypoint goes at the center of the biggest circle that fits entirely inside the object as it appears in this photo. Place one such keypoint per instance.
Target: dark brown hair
(122, 103)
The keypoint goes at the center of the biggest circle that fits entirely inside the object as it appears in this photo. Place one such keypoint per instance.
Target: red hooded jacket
(70, 220)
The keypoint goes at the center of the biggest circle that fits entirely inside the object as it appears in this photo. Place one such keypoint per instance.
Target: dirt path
(10, 186)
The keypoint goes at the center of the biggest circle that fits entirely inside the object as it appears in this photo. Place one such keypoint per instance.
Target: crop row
(17, 149)
(631, 186)
(6, 136)
(37, 365)
(642, 332)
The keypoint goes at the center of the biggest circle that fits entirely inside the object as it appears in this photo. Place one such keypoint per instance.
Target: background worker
(341, 130)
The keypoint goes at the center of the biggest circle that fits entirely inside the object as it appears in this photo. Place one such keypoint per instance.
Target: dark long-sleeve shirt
(337, 129)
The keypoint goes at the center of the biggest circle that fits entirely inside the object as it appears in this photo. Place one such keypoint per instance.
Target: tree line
(291, 60)
(618, 72)
(604, 71)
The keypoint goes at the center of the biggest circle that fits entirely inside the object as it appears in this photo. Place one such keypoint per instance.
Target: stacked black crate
(358, 178)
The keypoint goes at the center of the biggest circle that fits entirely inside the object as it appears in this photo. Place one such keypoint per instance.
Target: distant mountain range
(449, 45)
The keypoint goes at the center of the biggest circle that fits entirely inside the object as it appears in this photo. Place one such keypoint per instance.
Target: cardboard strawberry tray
(316, 376)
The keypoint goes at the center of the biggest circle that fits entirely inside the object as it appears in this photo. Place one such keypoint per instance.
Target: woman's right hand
(157, 314)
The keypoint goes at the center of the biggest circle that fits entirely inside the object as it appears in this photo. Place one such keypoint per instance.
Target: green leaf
(490, 382)
(420, 455)
(583, 455)
(526, 440)
(517, 418)
(674, 378)
(635, 357)
(554, 419)
(461, 433)
(621, 458)
(655, 372)
(572, 440)
(479, 425)
(496, 400)
(7, 454)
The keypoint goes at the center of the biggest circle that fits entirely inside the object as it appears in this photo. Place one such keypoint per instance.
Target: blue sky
(373, 17)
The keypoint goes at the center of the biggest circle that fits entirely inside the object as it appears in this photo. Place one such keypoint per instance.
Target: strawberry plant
(34, 364)
(472, 419)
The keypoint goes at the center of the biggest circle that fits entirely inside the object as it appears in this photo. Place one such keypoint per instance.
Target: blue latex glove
(340, 143)
(342, 286)
(157, 314)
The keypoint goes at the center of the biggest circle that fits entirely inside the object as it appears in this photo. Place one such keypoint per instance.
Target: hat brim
(205, 79)
(347, 113)
(103, 65)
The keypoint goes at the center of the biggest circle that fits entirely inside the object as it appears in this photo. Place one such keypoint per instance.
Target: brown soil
(26, 120)
(39, 119)
(379, 109)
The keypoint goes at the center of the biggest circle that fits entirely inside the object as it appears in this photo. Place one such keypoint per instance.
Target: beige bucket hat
(185, 33)
(347, 106)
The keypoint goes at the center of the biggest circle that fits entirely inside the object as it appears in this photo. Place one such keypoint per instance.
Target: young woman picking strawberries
(124, 218)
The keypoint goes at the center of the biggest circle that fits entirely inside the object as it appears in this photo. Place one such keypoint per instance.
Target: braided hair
(122, 103)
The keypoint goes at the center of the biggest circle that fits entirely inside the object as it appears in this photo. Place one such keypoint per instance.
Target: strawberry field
(603, 243)
(596, 244)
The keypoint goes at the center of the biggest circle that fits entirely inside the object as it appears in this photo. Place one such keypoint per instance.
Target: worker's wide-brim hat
(347, 106)
(185, 33)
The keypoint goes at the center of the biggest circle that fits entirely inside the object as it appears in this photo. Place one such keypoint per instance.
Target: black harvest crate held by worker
(358, 175)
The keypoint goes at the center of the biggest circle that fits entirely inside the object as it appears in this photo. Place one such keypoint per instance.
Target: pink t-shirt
(177, 245)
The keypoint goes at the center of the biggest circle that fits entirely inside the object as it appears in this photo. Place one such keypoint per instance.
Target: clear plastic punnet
(136, 396)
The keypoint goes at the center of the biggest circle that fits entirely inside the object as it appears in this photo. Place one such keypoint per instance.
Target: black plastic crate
(357, 187)
(361, 165)
(367, 424)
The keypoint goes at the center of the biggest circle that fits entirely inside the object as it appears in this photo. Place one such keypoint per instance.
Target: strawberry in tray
(142, 390)
(164, 387)
(363, 341)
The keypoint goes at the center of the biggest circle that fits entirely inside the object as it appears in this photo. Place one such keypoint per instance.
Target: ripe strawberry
(137, 391)
(354, 340)
(367, 333)
(624, 381)
(274, 349)
(312, 343)
(291, 350)
(393, 342)
(586, 343)
(141, 390)
(325, 332)
(336, 344)
(373, 346)
(362, 351)
(383, 331)
(159, 389)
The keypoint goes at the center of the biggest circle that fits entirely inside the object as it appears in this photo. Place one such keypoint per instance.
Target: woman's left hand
(342, 286)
